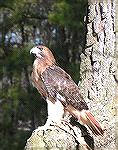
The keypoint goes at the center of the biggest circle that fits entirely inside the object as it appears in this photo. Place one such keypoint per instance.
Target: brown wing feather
(38, 83)
(57, 81)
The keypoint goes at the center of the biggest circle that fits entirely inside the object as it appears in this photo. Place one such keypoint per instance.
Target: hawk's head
(42, 52)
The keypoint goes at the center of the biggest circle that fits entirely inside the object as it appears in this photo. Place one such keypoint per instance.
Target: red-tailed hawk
(60, 91)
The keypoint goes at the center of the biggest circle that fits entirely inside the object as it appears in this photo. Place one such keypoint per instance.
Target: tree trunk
(99, 69)
(116, 74)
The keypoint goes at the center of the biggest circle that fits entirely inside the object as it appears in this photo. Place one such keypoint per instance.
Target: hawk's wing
(39, 84)
(61, 86)
(56, 84)
(59, 83)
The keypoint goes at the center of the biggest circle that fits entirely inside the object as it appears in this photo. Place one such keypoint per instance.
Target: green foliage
(61, 15)
(14, 141)
(17, 59)
(67, 13)
(13, 92)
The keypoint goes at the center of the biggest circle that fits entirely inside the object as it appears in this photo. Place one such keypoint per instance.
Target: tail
(87, 118)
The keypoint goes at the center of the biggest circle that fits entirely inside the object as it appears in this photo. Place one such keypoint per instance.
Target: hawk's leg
(55, 114)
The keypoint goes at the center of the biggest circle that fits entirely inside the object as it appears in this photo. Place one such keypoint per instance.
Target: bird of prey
(60, 91)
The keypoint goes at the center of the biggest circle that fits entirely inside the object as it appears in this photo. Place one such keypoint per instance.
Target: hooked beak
(36, 51)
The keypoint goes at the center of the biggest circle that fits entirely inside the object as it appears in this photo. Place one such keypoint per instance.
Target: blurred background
(58, 24)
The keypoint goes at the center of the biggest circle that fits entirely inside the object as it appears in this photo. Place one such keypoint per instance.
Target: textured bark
(99, 68)
(116, 73)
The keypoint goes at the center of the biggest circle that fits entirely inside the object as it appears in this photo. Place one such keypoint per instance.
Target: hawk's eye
(40, 48)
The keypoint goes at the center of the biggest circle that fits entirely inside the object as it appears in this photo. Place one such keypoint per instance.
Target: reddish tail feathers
(87, 118)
